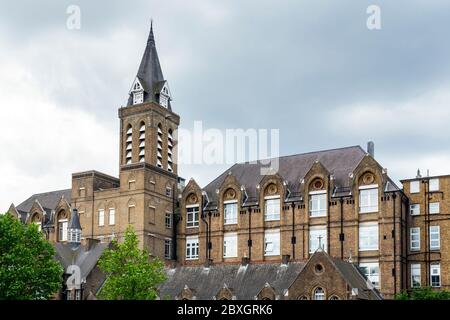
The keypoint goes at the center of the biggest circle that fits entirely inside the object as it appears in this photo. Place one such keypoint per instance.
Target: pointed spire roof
(150, 73)
(74, 222)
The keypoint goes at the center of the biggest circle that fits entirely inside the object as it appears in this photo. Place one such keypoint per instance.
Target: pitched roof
(245, 281)
(339, 162)
(74, 222)
(150, 73)
(48, 200)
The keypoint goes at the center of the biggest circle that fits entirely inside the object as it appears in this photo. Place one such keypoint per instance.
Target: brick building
(340, 202)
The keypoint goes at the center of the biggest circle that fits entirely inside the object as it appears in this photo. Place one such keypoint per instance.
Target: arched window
(62, 226)
(142, 142)
(170, 150)
(319, 294)
(303, 298)
(334, 297)
(129, 144)
(159, 147)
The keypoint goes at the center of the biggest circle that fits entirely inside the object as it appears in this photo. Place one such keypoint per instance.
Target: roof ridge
(48, 192)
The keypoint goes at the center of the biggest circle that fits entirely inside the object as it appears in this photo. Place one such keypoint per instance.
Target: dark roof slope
(339, 162)
(48, 200)
(245, 281)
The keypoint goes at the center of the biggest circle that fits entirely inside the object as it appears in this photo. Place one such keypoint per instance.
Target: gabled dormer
(137, 92)
(163, 94)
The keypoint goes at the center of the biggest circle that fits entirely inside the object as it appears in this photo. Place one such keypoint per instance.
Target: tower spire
(149, 83)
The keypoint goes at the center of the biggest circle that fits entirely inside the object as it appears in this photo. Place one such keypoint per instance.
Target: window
(414, 187)
(138, 97)
(414, 234)
(163, 100)
(435, 241)
(131, 213)
(372, 272)
(82, 192)
(112, 216)
(414, 209)
(272, 242)
(415, 275)
(129, 145)
(434, 207)
(168, 220)
(191, 248)
(435, 275)
(168, 191)
(62, 229)
(272, 209)
(101, 217)
(434, 184)
(142, 142)
(192, 216)
(230, 245)
(168, 249)
(368, 199)
(319, 294)
(39, 225)
(230, 209)
(159, 146)
(317, 204)
(317, 238)
(368, 236)
(170, 150)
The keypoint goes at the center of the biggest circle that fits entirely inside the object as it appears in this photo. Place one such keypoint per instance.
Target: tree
(424, 293)
(28, 270)
(131, 275)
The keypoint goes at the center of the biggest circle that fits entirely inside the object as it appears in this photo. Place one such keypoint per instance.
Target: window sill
(317, 216)
(364, 212)
(364, 250)
(191, 259)
(271, 254)
(275, 219)
(230, 223)
(191, 227)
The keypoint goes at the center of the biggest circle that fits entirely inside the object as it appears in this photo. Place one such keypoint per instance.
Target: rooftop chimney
(371, 149)
(418, 174)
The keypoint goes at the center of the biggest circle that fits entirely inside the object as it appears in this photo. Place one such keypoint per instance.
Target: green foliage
(28, 270)
(131, 275)
(424, 293)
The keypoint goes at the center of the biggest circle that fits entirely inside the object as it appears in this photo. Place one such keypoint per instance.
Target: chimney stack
(371, 149)
(418, 174)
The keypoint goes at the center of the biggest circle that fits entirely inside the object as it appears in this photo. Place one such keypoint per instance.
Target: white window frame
(435, 270)
(372, 205)
(319, 295)
(230, 245)
(168, 220)
(319, 200)
(63, 236)
(101, 217)
(414, 239)
(230, 216)
(273, 215)
(192, 248)
(192, 218)
(434, 184)
(414, 186)
(414, 209)
(314, 233)
(372, 272)
(168, 245)
(368, 239)
(112, 216)
(272, 242)
(435, 230)
(434, 208)
(138, 97)
(416, 276)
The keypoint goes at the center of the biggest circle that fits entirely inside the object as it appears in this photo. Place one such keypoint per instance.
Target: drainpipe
(293, 239)
(328, 215)
(394, 271)
(174, 226)
(427, 242)
(207, 227)
(341, 234)
(249, 242)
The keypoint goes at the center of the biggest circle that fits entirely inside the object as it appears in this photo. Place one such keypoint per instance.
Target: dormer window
(137, 91)
(164, 96)
(163, 100)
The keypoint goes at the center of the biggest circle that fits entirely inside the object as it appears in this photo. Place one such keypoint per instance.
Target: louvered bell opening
(129, 146)
(130, 130)
(142, 129)
(142, 136)
(129, 138)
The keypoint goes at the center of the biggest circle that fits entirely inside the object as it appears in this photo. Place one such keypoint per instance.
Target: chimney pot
(371, 149)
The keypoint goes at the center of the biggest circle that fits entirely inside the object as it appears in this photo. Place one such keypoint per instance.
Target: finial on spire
(151, 38)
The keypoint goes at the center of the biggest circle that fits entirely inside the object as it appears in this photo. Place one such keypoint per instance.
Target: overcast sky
(309, 68)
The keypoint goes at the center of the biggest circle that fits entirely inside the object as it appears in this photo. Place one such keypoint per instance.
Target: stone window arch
(319, 293)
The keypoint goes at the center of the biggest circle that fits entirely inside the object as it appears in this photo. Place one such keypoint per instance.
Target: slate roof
(245, 281)
(48, 200)
(81, 256)
(150, 73)
(292, 169)
(74, 222)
